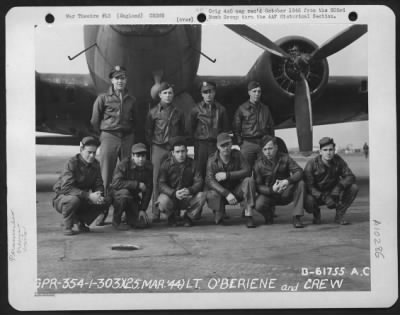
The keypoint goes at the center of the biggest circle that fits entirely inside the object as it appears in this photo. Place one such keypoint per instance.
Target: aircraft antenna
(72, 58)
(204, 55)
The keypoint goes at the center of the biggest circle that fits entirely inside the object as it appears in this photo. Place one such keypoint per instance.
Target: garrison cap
(89, 141)
(139, 148)
(253, 85)
(266, 139)
(116, 71)
(223, 137)
(207, 85)
(177, 141)
(165, 86)
(326, 141)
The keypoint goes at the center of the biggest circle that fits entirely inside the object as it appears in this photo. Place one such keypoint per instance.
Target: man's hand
(231, 199)
(283, 184)
(96, 197)
(220, 176)
(142, 187)
(330, 202)
(182, 194)
(276, 186)
(143, 217)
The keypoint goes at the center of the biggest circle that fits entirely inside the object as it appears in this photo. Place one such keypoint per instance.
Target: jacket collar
(322, 164)
(111, 92)
(250, 104)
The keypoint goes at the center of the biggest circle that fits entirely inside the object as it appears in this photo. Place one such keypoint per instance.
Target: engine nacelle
(278, 75)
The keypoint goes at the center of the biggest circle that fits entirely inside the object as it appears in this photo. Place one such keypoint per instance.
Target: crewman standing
(252, 121)
(208, 118)
(114, 114)
(164, 121)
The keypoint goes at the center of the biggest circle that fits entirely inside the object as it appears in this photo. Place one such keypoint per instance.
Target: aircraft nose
(143, 30)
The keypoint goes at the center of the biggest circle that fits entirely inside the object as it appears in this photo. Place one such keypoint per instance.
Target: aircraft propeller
(157, 76)
(298, 69)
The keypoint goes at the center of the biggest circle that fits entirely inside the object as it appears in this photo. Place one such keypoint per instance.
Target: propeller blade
(303, 114)
(258, 39)
(157, 76)
(339, 41)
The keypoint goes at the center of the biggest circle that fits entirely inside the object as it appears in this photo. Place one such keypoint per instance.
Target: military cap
(177, 141)
(116, 71)
(266, 139)
(326, 141)
(165, 86)
(138, 148)
(90, 141)
(223, 137)
(207, 85)
(253, 85)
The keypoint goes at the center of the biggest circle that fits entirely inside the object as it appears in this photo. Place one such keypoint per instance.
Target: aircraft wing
(63, 106)
(345, 99)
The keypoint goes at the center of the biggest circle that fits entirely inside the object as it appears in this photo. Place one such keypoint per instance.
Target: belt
(256, 140)
(119, 134)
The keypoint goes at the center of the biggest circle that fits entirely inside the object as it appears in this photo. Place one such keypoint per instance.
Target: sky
(234, 56)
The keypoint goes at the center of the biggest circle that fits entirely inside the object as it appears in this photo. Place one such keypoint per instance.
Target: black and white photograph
(200, 160)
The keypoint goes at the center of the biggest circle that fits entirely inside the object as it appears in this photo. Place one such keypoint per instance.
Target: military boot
(317, 216)
(339, 217)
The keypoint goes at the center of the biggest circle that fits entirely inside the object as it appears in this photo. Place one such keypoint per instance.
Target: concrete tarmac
(205, 257)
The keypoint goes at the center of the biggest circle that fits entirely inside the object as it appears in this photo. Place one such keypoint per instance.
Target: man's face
(269, 150)
(119, 82)
(139, 158)
(225, 149)
(327, 152)
(208, 96)
(255, 94)
(180, 153)
(166, 96)
(88, 153)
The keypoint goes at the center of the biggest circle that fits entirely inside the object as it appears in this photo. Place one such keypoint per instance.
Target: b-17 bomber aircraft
(293, 72)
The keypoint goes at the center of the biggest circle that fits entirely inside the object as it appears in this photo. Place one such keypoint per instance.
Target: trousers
(76, 210)
(312, 204)
(158, 154)
(202, 150)
(293, 193)
(244, 193)
(193, 205)
(124, 200)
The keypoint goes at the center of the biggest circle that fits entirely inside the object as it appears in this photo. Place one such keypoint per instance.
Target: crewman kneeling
(180, 183)
(131, 187)
(229, 182)
(329, 181)
(279, 181)
(79, 189)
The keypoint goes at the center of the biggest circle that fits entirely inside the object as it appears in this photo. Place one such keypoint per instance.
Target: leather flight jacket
(252, 121)
(174, 176)
(128, 175)
(236, 170)
(266, 172)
